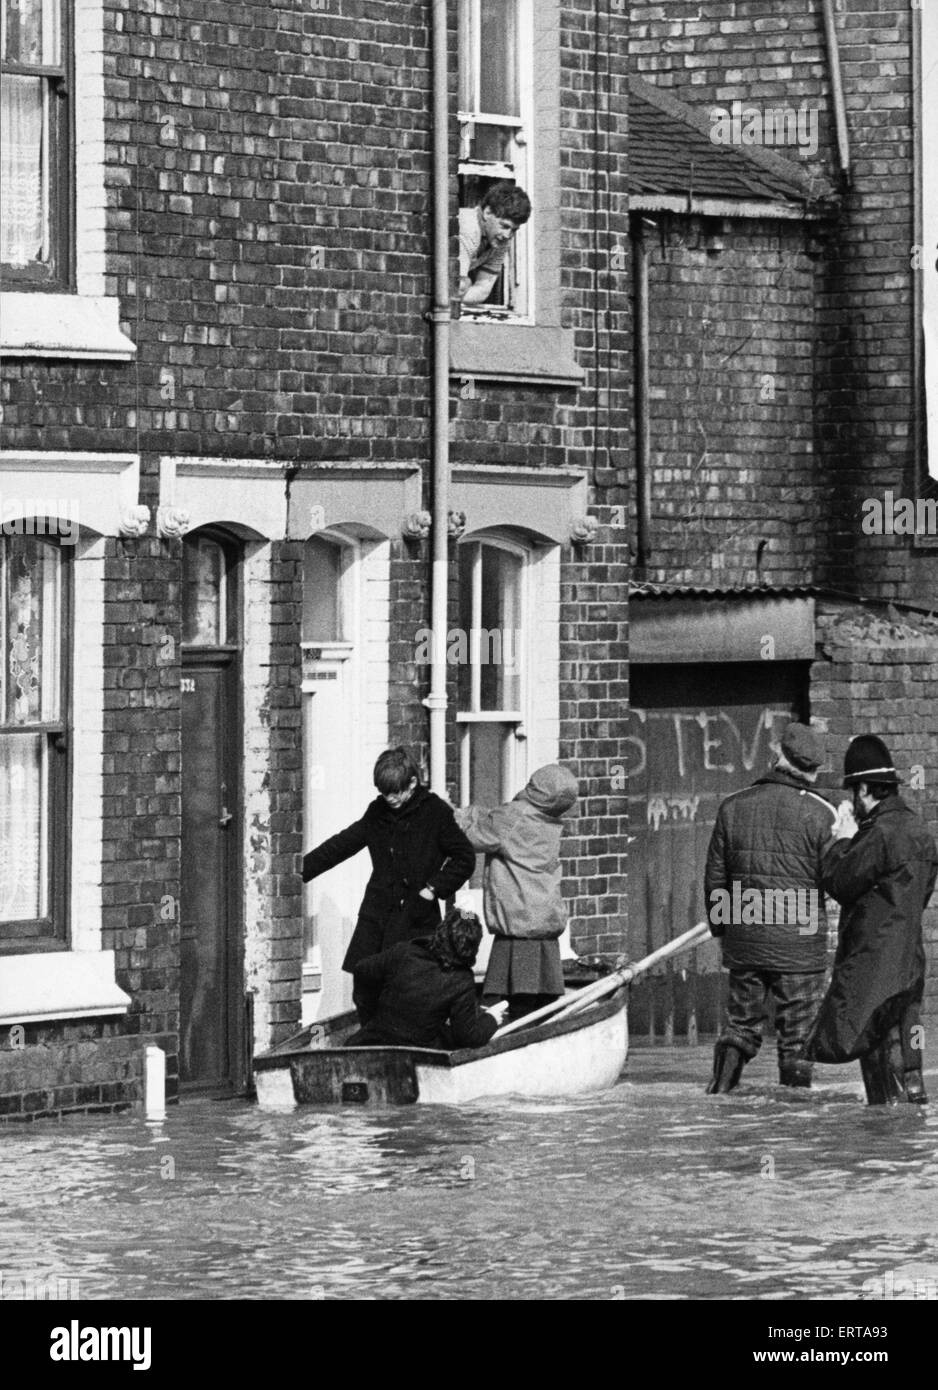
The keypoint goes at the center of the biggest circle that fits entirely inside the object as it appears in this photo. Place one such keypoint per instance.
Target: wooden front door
(210, 992)
(696, 733)
(208, 984)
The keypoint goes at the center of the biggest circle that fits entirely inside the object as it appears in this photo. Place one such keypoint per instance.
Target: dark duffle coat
(417, 846)
(411, 999)
(883, 879)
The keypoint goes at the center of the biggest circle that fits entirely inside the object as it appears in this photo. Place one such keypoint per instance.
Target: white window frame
(85, 324)
(514, 753)
(520, 263)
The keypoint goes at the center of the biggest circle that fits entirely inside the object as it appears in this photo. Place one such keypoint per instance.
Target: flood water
(651, 1190)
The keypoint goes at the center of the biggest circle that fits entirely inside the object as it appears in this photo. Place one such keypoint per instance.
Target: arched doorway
(210, 995)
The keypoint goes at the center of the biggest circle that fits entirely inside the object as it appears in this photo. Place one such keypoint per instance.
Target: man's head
(505, 208)
(801, 752)
(457, 939)
(869, 772)
(396, 776)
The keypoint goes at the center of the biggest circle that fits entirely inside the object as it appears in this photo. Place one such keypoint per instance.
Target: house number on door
(187, 685)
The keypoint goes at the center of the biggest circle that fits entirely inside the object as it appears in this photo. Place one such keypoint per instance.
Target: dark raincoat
(408, 998)
(883, 878)
(417, 846)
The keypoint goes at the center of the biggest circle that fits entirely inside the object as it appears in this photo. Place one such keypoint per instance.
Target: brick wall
(268, 234)
(734, 479)
(863, 358)
(879, 675)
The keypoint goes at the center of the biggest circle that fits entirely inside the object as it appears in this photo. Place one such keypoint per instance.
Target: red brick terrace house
(215, 566)
(779, 391)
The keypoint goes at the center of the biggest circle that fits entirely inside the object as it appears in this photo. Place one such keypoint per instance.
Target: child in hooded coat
(524, 909)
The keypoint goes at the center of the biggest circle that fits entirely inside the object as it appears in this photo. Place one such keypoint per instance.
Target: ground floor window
(33, 761)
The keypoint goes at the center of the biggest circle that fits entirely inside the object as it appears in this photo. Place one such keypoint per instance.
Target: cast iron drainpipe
(642, 423)
(837, 89)
(440, 320)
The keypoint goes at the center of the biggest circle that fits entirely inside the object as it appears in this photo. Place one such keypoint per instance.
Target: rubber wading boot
(728, 1063)
(883, 1072)
(915, 1088)
(794, 1071)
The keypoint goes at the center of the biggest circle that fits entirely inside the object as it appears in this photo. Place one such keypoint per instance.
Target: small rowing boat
(585, 1052)
(574, 1046)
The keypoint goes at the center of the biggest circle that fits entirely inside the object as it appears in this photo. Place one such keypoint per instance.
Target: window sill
(59, 985)
(509, 351)
(62, 325)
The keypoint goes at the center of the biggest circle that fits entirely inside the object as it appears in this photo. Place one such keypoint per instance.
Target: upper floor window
(496, 127)
(33, 766)
(35, 197)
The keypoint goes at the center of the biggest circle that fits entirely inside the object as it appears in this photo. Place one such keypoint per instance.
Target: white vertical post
(154, 1084)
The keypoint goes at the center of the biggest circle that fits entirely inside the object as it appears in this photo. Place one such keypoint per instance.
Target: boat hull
(583, 1053)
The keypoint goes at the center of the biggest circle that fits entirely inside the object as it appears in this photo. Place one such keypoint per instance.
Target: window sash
(47, 165)
(513, 295)
(476, 723)
(33, 764)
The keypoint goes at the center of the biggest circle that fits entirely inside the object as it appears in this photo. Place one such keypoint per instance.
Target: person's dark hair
(507, 200)
(394, 770)
(457, 939)
(880, 790)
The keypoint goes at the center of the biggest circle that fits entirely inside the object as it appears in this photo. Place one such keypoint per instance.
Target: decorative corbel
(416, 526)
(583, 529)
(134, 521)
(455, 524)
(172, 522)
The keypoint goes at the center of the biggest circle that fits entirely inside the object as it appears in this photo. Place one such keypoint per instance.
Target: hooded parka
(521, 842)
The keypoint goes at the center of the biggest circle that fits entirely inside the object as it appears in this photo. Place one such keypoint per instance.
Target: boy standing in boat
(419, 856)
(524, 909)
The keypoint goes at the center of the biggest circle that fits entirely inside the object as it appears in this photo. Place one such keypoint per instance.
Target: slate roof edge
(814, 187)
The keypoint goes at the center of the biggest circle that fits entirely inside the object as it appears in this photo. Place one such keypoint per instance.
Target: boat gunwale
(591, 1014)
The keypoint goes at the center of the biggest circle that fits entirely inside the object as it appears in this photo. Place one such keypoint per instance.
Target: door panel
(206, 945)
(696, 733)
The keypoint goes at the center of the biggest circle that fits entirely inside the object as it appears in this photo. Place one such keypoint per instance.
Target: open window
(35, 122)
(33, 763)
(495, 132)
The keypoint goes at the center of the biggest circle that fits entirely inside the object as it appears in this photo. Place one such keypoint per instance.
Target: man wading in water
(763, 870)
(882, 872)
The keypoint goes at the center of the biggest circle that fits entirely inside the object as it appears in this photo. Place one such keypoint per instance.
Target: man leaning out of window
(485, 234)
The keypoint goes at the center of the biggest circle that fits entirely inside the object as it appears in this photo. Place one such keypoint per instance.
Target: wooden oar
(610, 983)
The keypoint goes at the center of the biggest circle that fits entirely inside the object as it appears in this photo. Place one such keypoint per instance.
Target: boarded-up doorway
(696, 733)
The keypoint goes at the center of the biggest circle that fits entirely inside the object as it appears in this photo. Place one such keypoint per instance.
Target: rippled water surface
(650, 1190)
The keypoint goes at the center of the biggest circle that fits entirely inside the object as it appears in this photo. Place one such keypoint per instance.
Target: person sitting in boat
(422, 993)
(524, 909)
(418, 856)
